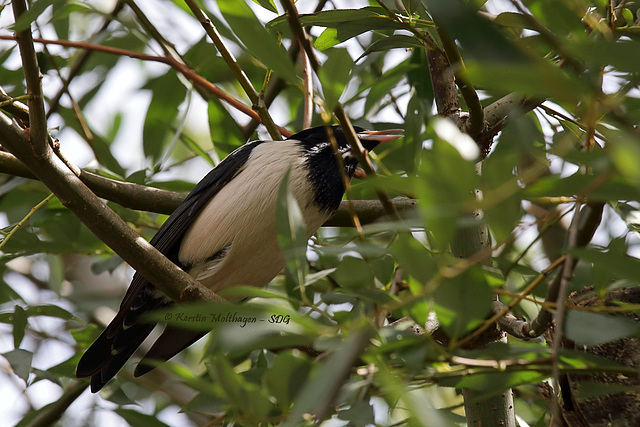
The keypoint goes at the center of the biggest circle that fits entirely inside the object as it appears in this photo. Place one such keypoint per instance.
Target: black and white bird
(224, 234)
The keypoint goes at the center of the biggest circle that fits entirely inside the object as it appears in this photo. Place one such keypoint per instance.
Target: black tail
(172, 341)
(108, 354)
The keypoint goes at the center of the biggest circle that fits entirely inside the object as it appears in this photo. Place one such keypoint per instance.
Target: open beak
(381, 136)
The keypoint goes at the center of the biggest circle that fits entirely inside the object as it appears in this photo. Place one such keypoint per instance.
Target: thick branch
(475, 121)
(480, 409)
(588, 221)
(32, 75)
(172, 62)
(150, 199)
(444, 87)
(101, 220)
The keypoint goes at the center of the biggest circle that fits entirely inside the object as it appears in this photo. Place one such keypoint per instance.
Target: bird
(224, 234)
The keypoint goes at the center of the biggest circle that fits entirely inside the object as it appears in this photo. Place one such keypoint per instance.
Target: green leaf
(333, 36)
(535, 79)
(19, 325)
(370, 18)
(196, 149)
(36, 9)
(267, 4)
(292, 233)
(382, 86)
(414, 258)
(262, 45)
(247, 397)
(287, 376)
(448, 181)
(590, 329)
(167, 95)
(621, 265)
(614, 188)
(20, 361)
(138, 419)
(354, 273)
(103, 154)
(398, 41)
(359, 414)
(49, 310)
(334, 76)
(496, 382)
(513, 20)
(463, 302)
(420, 79)
(329, 376)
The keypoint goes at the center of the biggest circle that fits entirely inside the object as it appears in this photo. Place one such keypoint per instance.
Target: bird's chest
(239, 223)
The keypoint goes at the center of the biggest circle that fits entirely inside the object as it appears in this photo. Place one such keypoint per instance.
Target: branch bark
(151, 199)
(480, 409)
(32, 148)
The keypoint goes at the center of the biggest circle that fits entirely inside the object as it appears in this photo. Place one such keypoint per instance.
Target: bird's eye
(347, 156)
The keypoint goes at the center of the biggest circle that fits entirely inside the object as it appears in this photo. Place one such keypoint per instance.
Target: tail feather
(117, 343)
(102, 360)
(172, 341)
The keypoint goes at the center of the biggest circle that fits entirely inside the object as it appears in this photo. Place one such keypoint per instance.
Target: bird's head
(321, 162)
(370, 139)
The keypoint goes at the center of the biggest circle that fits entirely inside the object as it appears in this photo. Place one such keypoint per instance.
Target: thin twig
(475, 123)
(566, 275)
(24, 220)
(360, 153)
(346, 181)
(181, 68)
(232, 63)
(298, 31)
(14, 106)
(81, 61)
(307, 118)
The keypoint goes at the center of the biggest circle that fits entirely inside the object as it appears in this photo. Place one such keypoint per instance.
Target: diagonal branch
(101, 220)
(32, 148)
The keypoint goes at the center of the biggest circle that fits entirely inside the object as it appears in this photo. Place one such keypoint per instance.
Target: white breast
(242, 214)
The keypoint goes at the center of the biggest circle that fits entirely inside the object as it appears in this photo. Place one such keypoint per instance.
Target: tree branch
(39, 137)
(475, 122)
(480, 408)
(172, 62)
(151, 199)
(101, 220)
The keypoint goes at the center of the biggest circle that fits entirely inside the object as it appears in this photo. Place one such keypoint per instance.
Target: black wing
(125, 333)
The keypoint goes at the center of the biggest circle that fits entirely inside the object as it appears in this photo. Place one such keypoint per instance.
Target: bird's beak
(381, 136)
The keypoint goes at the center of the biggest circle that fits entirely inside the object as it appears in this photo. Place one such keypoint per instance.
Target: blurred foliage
(320, 345)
